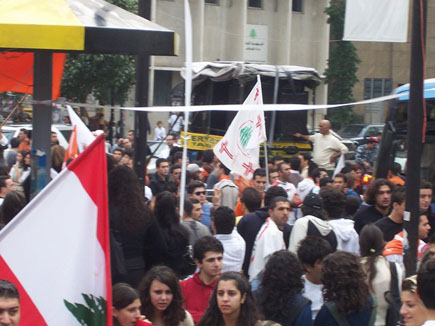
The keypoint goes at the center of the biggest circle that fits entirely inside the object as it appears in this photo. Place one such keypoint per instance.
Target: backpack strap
(374, 310)
(294, 308)
(339, 318)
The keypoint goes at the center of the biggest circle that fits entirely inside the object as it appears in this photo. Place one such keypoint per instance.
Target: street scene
(217, 163)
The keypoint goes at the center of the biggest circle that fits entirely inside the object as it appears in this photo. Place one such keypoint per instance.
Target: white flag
(84, 135)
(340, 165)
(376, 20)
(239, 149)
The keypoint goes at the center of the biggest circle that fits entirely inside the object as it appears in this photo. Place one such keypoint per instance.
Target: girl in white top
(377, 268)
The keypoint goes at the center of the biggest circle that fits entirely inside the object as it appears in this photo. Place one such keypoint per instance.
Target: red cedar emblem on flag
(56, 250)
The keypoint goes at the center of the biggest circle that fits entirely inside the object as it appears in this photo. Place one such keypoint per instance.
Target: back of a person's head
(426, 284)
(224, 220)
(8, 290)
(165, 209)
(398, 195)
(352, 205)
(273, 192)
(123, 183)
(13, 203)
(371, 241)
(206, 244)
(334, 202)
(396, 168)
(207, 156)
(3, 179)
(188, 207)
(123, 295)
(295, 163)
(324, 182)
(251, 198)
(15, 142)
(313, 249)
(225, 169)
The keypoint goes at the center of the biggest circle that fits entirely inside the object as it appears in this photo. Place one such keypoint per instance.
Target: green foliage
(105, 76)
(92, 314)
(342, 68)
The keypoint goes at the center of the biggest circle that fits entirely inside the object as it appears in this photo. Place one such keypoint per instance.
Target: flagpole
(266, 164)
(187, 96)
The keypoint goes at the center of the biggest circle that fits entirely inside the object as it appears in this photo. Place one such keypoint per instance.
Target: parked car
(63, 132)
(360, 133)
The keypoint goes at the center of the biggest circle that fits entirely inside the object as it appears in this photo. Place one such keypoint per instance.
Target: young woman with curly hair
(162, 299)
(345, 292)
(378, 269)
(133, 225)
(280, 293)
(231, 303)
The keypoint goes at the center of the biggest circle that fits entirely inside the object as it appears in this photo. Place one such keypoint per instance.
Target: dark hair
(122, 296)
(8, 290)
(324, 181)
(126, 195)
(424, 184)
(341, 175)
(118, 149)
(224, 220)
(251, 198)
(208, 156)
(160, 161)
(312, 249)
(15, 142)
(295, 163)
(426, 283)
(226, 170)
(129, 152)
(281, 164)
(276, 200)
(396, 169)
(352, 205)
(174, 313)
(177, 156)
(344, 282)
(272, 192)
(248, 310)
(188, 207)
(205, 244)
(398, 195)
(195, 184)
(314, 173)
(334, 201)
(174, 167)
(3, 179)
(373, 188)
(25, 131)
(260, 172)
(13, 203)
(371, 242)
(272, 170)
(282, 280)
(306, 156)
(276, 158)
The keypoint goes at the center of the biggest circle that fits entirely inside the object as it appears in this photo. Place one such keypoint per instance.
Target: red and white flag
(56, 250)
(239, 149)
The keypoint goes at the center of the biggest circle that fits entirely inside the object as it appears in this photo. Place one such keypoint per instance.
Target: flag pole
(187, 96)
(266, 164)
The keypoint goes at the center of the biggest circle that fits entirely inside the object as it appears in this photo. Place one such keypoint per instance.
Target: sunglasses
(198, 193)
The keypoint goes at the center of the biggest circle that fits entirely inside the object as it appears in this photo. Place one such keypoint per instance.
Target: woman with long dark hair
(345, 292)
(126, 306)
(231, 303)
(377, 268)
(280, 294)
(175, 234)
(133, 225)
(162, 299)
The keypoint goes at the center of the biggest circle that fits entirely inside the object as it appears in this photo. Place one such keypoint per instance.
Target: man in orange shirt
(258, 182)
(24, 140)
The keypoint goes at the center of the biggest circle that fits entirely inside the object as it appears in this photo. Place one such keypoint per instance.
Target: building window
(255, 3)
(297, 6)
(213, 2)
(377, 87)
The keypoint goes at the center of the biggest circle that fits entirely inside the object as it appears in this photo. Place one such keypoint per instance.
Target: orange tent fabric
(16, 72)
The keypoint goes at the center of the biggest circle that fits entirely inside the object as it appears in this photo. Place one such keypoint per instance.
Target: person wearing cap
(312, 224)
(195, 170)
(365, 155)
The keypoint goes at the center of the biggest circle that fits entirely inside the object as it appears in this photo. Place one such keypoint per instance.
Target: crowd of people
(296, 245)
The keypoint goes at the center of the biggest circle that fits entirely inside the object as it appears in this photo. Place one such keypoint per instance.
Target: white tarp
(376, 20)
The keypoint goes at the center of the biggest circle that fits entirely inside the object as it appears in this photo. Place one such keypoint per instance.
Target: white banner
(376, 20)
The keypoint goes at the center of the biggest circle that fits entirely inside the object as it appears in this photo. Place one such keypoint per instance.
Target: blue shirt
(206, 210)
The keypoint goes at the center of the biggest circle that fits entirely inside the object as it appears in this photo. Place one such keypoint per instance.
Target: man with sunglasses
(197, 190)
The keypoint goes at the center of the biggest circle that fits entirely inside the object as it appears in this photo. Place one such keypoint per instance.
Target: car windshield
(351, 131)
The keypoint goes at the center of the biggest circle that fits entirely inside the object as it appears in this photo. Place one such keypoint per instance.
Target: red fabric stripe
(30, 315)
(93, 177)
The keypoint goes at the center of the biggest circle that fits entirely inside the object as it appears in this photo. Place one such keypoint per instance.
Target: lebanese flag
(56, 250)
(239, 149)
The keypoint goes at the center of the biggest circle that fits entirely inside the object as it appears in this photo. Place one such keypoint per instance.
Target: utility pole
(141, 100)
(415, 146)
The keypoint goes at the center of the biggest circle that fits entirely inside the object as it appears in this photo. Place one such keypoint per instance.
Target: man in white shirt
(223, 221)
(326, 147)
(269, 239)
(159, 131)
(175, 122)
(311, 252)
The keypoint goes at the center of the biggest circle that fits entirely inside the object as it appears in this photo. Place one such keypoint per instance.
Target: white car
(63, 132)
